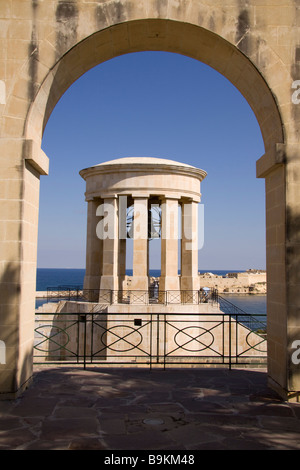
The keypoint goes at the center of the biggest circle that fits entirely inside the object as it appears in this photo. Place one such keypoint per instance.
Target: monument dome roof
(143, 165)
(143, 160)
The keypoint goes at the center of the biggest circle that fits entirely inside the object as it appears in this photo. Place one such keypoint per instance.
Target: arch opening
(217, 53)
(166, 35)
(192, 144)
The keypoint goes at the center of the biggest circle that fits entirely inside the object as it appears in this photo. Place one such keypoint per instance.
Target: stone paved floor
(133, 409)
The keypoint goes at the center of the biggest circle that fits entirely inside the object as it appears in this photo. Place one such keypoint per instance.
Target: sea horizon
(74, 277)
(54, 277)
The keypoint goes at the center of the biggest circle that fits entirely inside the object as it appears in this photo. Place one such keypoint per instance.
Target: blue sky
(160, 105)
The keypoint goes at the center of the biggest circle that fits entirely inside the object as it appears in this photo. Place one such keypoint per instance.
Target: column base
(189, 283)
(169, 283)
(286, 395)
(169, 287)
(139, 283)
(109, 283)
(91, 282)
(14, 394)
(189, 290)
(91, 288)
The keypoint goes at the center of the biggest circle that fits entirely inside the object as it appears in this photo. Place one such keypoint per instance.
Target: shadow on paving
(134, 409)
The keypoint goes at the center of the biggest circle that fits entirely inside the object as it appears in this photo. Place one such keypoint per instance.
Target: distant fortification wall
(249, 282)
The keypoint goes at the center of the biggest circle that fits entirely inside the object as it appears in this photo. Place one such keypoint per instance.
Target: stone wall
(241, 283)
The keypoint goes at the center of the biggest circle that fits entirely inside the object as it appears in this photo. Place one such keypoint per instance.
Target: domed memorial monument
(142, 198)
(120, 320)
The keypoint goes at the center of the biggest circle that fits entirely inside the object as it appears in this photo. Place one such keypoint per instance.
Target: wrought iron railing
(253, 322)
(129, 296)
(150, 340)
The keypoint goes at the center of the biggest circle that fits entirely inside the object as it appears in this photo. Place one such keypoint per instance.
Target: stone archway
(51, 44)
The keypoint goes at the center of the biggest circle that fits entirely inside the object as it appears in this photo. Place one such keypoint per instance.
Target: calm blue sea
(74, 277)
(47, 278)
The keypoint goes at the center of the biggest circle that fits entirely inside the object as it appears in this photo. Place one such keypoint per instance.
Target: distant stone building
(248, 282)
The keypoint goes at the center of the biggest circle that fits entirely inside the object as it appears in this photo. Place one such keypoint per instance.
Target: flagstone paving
(69, 408)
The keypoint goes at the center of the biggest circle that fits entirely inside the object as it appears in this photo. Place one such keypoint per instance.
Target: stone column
(169, 279)
(140, 244)
(122, 214)
(189, 247)
(107, 229)
(94, 253)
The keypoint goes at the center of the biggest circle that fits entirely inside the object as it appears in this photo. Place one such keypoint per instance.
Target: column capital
(167, 196)
(109, 196)
(89, 198)
(140, 195)
(187, 200)
(35, 156)
(271, 160)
